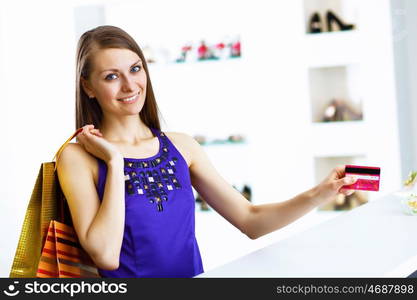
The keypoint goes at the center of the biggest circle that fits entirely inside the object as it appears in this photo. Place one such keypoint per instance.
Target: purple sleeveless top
(159, 235)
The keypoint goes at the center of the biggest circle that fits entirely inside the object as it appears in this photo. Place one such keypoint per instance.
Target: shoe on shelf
(332, 18)
(315, 25)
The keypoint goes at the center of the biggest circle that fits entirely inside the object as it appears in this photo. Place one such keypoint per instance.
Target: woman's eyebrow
(116, 70)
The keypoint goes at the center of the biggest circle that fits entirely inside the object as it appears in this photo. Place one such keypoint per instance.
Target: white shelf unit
(350, 138)
(352, 61)
(333, 48)
(349, 64)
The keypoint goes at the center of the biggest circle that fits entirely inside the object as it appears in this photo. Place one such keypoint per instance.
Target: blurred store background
(277, 92)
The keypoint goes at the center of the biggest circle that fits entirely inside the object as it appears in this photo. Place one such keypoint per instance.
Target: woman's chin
(131, 110)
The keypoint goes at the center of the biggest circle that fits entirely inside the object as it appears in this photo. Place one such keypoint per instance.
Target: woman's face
(117, 81)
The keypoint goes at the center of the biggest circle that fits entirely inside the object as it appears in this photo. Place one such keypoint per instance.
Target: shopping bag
(62, 255)
(47, 203)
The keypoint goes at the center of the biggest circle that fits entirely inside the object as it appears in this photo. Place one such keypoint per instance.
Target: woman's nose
(128, 84)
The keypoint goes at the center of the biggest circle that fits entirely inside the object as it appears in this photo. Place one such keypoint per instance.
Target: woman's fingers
(338, 172)
(345, 181)
(89, 129)
(346, 192)
(96, 132)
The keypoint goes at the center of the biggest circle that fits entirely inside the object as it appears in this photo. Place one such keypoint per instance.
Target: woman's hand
(93, 142)
(332, 185)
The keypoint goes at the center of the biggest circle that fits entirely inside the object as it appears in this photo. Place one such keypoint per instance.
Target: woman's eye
(111, 77)
(136, 69)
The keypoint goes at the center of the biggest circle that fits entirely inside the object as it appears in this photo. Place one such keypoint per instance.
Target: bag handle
(58, 153)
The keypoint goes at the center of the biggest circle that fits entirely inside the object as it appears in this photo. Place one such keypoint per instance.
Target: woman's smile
(129, 100)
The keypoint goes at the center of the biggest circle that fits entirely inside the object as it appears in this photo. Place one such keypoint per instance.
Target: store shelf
(204, 64)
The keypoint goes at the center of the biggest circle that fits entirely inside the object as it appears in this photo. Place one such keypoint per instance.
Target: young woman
(128, 184)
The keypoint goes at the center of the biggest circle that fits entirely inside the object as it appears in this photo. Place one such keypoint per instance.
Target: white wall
(37, 114)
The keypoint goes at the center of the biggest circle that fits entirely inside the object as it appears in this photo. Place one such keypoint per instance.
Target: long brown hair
(87, 110)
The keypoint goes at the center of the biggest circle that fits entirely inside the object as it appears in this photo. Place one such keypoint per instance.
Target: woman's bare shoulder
(179, 136)
(184, 143)
(74, 154)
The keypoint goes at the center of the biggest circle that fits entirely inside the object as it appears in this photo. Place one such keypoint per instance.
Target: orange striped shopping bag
(62, 255)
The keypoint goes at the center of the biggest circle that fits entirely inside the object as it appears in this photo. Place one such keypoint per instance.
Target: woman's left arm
(257, 220)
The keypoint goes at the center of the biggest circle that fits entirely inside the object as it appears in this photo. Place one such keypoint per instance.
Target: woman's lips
(129, 99)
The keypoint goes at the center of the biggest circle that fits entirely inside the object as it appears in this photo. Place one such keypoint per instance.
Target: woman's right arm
(99, 227)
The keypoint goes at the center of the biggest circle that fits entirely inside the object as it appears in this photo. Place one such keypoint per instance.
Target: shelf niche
(335, 93)
(346, 11)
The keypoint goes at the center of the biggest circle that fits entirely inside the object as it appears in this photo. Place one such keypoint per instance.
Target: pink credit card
(367, 177)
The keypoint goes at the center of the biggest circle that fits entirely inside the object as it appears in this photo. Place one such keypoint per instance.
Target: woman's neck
(129, 130)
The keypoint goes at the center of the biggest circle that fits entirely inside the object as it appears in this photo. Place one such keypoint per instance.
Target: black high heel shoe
(332, 18)
(315, 25)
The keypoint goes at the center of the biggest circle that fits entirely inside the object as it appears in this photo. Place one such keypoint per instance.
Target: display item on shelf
(203, 204)
(231, 139)
(220, 50)
(205, 52)
(236, 138)
(332, 18)
(184, 51)
(235, 49)
(201, 139)
(340, 110)
(315, 25)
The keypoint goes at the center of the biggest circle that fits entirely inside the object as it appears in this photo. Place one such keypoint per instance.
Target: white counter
(374, 240)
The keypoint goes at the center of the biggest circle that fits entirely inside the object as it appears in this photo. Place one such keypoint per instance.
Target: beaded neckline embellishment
(155, 178)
